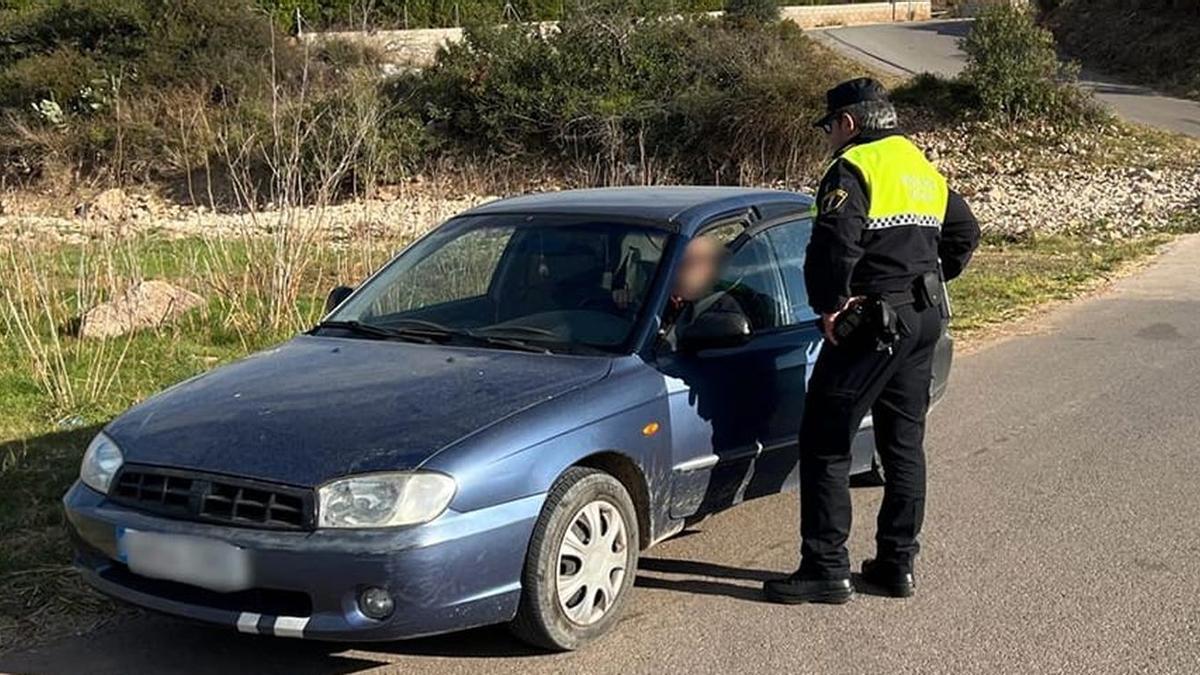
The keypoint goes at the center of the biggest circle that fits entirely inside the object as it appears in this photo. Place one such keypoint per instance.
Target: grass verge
(1007, 281)
(41, 441)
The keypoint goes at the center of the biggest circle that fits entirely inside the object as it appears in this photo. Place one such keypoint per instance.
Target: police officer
(884, 218)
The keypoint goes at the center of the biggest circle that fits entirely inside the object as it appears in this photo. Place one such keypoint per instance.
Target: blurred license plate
(198, 561)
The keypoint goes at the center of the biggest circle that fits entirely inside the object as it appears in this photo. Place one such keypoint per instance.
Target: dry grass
(42, 315)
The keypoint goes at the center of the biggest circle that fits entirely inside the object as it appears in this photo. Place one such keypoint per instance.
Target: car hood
(317, 408)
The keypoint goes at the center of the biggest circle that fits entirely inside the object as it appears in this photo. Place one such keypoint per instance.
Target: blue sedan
(489, 429)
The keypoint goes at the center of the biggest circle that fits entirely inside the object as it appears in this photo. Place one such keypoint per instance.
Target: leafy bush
(166, 89)
(757, 10)
(1014, 68)
(629, 99)
(946, 99)
(322, 14)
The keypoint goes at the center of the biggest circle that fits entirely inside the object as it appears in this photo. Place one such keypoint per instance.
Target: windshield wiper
(428, 332)
(505, 342)
(421, 323)
(499, 330)
(382, 332)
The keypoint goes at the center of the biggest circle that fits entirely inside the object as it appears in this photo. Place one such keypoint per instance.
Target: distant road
(932, 46)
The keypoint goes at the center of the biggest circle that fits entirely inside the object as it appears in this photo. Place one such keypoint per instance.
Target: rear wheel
(581, 563)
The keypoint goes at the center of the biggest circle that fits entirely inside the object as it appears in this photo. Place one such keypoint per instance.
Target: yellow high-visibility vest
(904, 188)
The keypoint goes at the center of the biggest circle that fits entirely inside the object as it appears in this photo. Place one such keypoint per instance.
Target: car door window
(788, 242)
(749, 275)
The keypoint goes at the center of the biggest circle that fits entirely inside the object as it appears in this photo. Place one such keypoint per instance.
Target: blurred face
(839, 131)
(699, 268)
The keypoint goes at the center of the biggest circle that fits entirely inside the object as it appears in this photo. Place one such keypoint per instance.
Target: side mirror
(336, 296)
(715, 330)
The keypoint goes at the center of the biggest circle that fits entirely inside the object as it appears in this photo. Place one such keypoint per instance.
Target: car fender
(624, 415)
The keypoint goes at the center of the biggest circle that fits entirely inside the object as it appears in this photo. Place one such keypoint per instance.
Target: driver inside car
(696, 288)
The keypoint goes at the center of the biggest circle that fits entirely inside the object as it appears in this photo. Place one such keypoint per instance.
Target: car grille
(216, 499)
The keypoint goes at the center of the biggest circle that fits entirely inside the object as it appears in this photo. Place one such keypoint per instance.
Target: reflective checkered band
(903, 220)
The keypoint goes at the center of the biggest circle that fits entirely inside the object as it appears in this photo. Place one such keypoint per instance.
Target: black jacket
(844, 260)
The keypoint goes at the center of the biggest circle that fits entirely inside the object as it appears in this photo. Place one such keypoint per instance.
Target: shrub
(1014, 68)
(629, 99)
(944, 98)
(1156, 43)
(159, 89)
(323, 14)
(765, 11)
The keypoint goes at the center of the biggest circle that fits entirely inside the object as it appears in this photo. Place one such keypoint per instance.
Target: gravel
(1107, 185)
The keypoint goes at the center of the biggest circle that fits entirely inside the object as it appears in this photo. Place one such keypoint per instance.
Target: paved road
(932, 46)
(1061, 537)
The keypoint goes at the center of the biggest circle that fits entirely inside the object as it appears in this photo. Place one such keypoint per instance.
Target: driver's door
(734, 411)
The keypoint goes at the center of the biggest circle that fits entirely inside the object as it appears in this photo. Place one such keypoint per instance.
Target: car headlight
(101, 461)
(384, 499)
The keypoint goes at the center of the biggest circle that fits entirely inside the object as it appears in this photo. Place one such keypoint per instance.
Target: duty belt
(898, 298)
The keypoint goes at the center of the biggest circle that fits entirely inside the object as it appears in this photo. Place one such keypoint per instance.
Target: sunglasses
(827, 127)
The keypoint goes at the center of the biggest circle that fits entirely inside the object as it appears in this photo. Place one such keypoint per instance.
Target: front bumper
(461, 570)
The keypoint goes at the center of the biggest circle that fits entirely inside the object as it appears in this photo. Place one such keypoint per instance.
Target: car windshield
(547, 282)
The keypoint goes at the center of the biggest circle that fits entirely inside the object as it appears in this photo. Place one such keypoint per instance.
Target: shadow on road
(154, 643)
(162, 644)
(704, 586)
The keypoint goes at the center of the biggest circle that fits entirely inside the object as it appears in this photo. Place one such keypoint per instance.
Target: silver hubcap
(591, 562)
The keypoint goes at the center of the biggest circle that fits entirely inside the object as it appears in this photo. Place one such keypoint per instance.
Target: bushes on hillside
(160, 89)
(1015, 72)
(204, 90)
(56, 48)
(757, 10)
(324, 14)
(1156, 44)
(627, 99)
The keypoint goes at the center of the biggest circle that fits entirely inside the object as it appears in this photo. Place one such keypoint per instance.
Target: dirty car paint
(315, 408)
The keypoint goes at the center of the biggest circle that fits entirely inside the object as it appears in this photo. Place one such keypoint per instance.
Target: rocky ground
(1107, 185)
(400, 214)
(1111, 184)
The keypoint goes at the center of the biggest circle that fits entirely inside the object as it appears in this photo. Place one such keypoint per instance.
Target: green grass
(1007, 280)
(41, 442)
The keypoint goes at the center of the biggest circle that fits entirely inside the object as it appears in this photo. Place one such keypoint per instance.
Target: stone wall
(416, 48)
(817, 16)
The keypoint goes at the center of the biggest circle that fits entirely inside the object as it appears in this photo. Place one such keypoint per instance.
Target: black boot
(888, 578)
(798, 589)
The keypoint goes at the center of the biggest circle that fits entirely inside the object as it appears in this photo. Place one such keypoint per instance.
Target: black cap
(850, 92)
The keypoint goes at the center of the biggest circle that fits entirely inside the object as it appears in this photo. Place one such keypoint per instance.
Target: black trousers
(847, 382)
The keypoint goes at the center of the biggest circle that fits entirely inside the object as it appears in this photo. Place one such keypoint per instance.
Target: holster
(870, 323)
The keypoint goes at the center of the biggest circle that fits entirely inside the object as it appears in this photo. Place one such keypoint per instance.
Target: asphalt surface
(932, 46)
(1061, 537)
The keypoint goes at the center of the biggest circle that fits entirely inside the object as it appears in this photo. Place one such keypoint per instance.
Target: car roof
(678, 208)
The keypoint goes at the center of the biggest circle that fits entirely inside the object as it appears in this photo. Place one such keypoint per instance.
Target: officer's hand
(828, 320)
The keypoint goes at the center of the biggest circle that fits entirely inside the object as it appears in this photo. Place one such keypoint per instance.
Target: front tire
(581, 562)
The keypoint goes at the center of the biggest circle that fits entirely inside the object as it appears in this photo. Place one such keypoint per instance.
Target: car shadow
(704, 578)
(153, 643)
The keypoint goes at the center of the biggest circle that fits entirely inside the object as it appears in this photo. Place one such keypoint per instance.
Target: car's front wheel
(581, 563)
